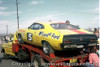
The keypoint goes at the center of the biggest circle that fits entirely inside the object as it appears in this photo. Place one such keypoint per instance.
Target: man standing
(67, 22)
(94, 58)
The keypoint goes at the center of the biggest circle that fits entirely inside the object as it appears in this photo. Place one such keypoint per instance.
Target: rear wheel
(22, 55)
(47, 48)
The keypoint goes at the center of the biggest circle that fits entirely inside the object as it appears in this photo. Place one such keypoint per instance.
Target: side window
(31, 27)
(11, 38)
(37, 26)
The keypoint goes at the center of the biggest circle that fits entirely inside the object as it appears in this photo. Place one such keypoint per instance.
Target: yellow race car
(56, 36)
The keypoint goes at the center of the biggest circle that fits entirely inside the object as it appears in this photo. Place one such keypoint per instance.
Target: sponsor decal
(44, 34)
(77, 31)
(54, 36)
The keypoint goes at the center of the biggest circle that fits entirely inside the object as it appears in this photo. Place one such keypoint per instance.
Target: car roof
(48, 22)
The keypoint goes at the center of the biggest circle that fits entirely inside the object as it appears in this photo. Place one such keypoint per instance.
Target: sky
(84, 13)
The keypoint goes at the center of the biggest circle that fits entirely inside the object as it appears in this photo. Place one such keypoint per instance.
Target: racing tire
(20, 39)
(22, 55)
(36, 61)
(47, 48)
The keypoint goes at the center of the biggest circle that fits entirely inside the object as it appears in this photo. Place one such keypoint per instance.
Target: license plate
(74, 60)
(80, 46)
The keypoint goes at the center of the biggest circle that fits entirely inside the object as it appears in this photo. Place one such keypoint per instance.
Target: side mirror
(28, 27)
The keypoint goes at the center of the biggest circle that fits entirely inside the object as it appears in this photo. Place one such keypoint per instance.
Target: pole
(6, 29)
(17, 13)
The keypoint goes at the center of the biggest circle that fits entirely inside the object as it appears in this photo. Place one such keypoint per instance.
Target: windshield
(63, 26)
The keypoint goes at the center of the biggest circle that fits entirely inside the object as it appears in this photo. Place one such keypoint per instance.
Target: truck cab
(7, 46)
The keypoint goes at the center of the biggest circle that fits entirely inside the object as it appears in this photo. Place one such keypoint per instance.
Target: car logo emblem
(81, 39)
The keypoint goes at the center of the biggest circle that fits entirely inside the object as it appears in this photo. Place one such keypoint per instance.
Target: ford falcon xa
(56, 36)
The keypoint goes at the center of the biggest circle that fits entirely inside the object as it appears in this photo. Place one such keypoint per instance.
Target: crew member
(67, 22)
(94, 58)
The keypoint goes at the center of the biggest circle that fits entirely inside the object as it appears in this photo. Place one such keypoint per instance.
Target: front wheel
(22, 55)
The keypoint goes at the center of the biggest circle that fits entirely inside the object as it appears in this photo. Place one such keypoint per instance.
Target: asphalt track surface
(11, 62)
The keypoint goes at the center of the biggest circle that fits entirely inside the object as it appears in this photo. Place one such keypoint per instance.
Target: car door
(33, 33)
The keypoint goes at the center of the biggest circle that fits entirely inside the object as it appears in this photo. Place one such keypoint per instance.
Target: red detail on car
(21, 30)
(77, 31)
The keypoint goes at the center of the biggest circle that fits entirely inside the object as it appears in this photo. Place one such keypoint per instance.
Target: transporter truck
(37, 58)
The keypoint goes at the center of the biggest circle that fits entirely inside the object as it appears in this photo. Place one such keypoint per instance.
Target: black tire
(36, 61)
(22, 55)
(47, 48)
(20, 39)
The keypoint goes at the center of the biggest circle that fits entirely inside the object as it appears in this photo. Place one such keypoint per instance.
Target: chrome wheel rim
(45, 48)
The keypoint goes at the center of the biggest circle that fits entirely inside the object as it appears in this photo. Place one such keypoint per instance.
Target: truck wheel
(36, 61)
(22, 55)
(20, 40)
(47, 48)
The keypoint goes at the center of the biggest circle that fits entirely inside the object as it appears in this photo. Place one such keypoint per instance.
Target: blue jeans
(89, 65)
